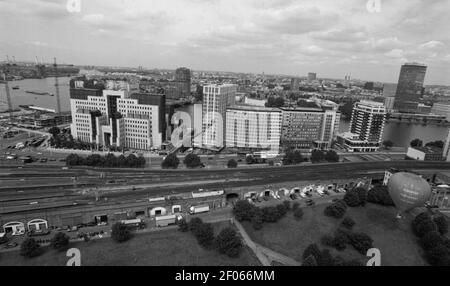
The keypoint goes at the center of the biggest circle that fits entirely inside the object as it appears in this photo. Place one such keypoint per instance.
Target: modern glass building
(410, 87)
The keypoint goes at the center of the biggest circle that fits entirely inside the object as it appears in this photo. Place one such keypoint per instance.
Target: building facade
(216, 98)
(295, 84)
(441, 109)
(410, 87)
(312, 76)
(366, 127)
(116, 117)
(253, 128)
(307, 128)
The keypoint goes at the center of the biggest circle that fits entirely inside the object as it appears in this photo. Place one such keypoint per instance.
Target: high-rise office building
(446, 151)
(312, 76)
(308, 127)
(410, 87)
(389, 90)
(295, 84)
(117, 117)
(253, 128)
(183, 79)
(216, 98)
(366, 127)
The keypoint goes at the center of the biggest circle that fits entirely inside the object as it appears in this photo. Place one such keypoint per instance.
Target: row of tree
(191, 161)
(109, 160)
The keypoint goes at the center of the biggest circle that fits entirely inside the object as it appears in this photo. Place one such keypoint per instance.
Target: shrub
(361, 242)
(351, 198)
(60, 241)
(380, 195)
(205, 235)
(439, 256)
(298, 213)
(30, 248)
(312, 250)
(183, 225)
(424, 227)
(442, 223)
(194, 224)
(309, 261)
(348, 223)
(340, 240)
(228, 242)
(120, 232)
(192, 161)
(431, 240)
(243, 210)
(336, 210)
(232, 163)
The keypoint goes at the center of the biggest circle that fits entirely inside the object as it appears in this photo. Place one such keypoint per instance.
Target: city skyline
(275, 37)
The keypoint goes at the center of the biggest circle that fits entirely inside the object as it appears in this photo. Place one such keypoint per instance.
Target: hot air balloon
(408, 191)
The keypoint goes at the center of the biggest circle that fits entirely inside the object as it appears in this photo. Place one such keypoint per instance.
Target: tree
(298, 213)
(60, 241)
(183, 225)
(379, 195)
(170, 162)
(439, 256)
(271, 214)
(228, 242)
(388, 144)
(257, 219)
(431, 240)
(362, 194)
(331, 156)
(232, 163)
(312, 250)
(120, 232)
(243, 210)
(74, 160)
(442, 223)
(347, 109)
(416, 143)
(438, 144)
(54, 131)
(30, 248)
(192, 161)
(351, 198)
(292, 157)
(348, 223)
(194, 224)
(336, 210)
(275, 102)
(317, 156)
(424, 227)
(205, 234)
(309, 261)
(249, 159)
(361, 242)
(131, 161)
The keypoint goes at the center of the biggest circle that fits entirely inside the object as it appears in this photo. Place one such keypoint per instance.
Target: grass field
(170, 247)
(393, 237)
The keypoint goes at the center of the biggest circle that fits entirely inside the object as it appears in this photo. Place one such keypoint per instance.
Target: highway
(51, 186)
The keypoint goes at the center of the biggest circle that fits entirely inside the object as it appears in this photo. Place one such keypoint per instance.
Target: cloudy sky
(332, 38)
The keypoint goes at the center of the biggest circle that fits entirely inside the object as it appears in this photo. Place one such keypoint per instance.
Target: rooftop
(253, 108)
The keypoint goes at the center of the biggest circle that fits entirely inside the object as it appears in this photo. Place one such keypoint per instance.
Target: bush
(312, 250)
(287, 205)
(309, 261)
(243, 210)
(205, 234)
(270, 214)
(298, 213)
(192, 161)
(295, 206)
(228, 242)
(351, 198)
(170, 162)
(431, 240)
(348, 223)
(120, 232)
(232, 163)
(361, 242)
(60, 241)
(257, 220)
(442, 223)
(183, 225)
(194, 224)
(439, 256)
(380, 195)
(362, 195)
(30, 248)
(336, 210)
(282, 209)
(424, 227)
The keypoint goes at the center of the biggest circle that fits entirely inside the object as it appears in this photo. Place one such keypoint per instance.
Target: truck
(198, 209)
(165, 220)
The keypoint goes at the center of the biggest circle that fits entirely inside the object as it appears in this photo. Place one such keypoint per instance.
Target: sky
(293, 37)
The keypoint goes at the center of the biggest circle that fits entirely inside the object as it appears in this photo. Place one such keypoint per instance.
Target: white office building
(253, 128)
(117, 117)
(216, 98)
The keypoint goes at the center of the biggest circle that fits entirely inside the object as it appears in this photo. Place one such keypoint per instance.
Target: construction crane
(8, 96)
(58, 101)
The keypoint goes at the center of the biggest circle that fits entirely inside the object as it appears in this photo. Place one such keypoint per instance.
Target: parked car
(11, 245)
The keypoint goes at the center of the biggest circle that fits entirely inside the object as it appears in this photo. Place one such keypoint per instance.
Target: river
(402, 133)
(21, 97)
